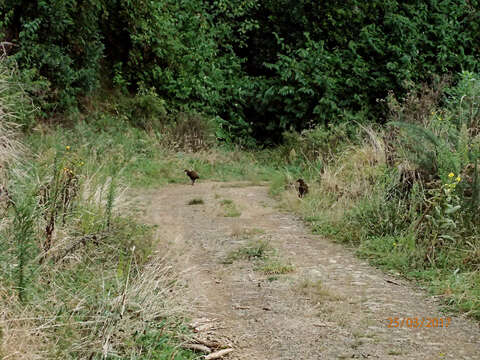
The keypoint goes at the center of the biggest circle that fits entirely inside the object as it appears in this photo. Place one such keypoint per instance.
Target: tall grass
(23, 230)
(405, 196)
(71, 284)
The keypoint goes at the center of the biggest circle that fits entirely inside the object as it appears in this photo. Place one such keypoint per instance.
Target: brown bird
(302, 188)
(193, 175)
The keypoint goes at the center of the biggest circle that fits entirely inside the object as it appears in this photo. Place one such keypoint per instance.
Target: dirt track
(332, 306)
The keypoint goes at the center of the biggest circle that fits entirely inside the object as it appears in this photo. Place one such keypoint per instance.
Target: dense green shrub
(184, 50)
(258, 69)
(327, 61)
(57, 41)
(443, 148)
(145, 110)
(319, 143)
(447, 141)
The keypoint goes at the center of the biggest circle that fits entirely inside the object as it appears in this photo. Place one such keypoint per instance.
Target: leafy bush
(190, 132)
(329, 62)
(145, 110)
(319, 143)
(257, 69)
(58, 42)
(447, 141)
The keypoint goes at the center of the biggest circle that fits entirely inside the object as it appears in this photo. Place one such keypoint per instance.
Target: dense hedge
(59, 43)
(261, 67)
(333, 60)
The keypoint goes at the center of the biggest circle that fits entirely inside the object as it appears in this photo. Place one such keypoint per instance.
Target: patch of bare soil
(331, 306)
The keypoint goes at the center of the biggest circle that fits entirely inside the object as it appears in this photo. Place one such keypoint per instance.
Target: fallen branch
(212, 344)
(218, 354)
(392, 282)
(197, 347)
(5, 46)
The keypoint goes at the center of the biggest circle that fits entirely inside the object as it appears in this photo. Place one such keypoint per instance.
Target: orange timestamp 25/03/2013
(418, 322)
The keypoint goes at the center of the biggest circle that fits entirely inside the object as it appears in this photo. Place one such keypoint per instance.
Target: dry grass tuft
(149, 298)
(315, 291)
(196, 201)
(229, 209)
(21, 330)
(335, 187)
(239, 230)
(9, 138)
(258, 249)
(31, 331)
(12, 97)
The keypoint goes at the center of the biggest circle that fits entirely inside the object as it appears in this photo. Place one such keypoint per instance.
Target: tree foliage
(327, 61)
(259, 67)
(58, 42)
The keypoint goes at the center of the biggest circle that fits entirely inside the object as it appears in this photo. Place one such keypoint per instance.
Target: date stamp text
(418, 322)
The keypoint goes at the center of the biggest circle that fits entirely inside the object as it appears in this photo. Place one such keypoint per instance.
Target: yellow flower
(451, 175)
(67, 147)
(458, 178)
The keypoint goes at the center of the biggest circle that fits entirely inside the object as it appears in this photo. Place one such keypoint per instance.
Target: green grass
(77, 287)
(143, 163)
(229, 208)
(260, 251)
(246, 232)
(275, 267)
(347, 203)
(242, 184)
(254, 250)
(106, 159)
(449, 277)
(157, 345)
(316, 291)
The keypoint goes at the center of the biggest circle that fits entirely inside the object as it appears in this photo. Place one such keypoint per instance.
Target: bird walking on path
(302, 188)
(193, 175)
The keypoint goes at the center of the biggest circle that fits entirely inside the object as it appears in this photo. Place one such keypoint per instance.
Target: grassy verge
(78, 278)
(406, 197)
(383, 231)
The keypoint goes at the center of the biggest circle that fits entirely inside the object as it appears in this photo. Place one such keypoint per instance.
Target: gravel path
(331, 306)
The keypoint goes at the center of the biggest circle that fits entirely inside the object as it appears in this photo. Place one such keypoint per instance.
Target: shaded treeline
(258, 67)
